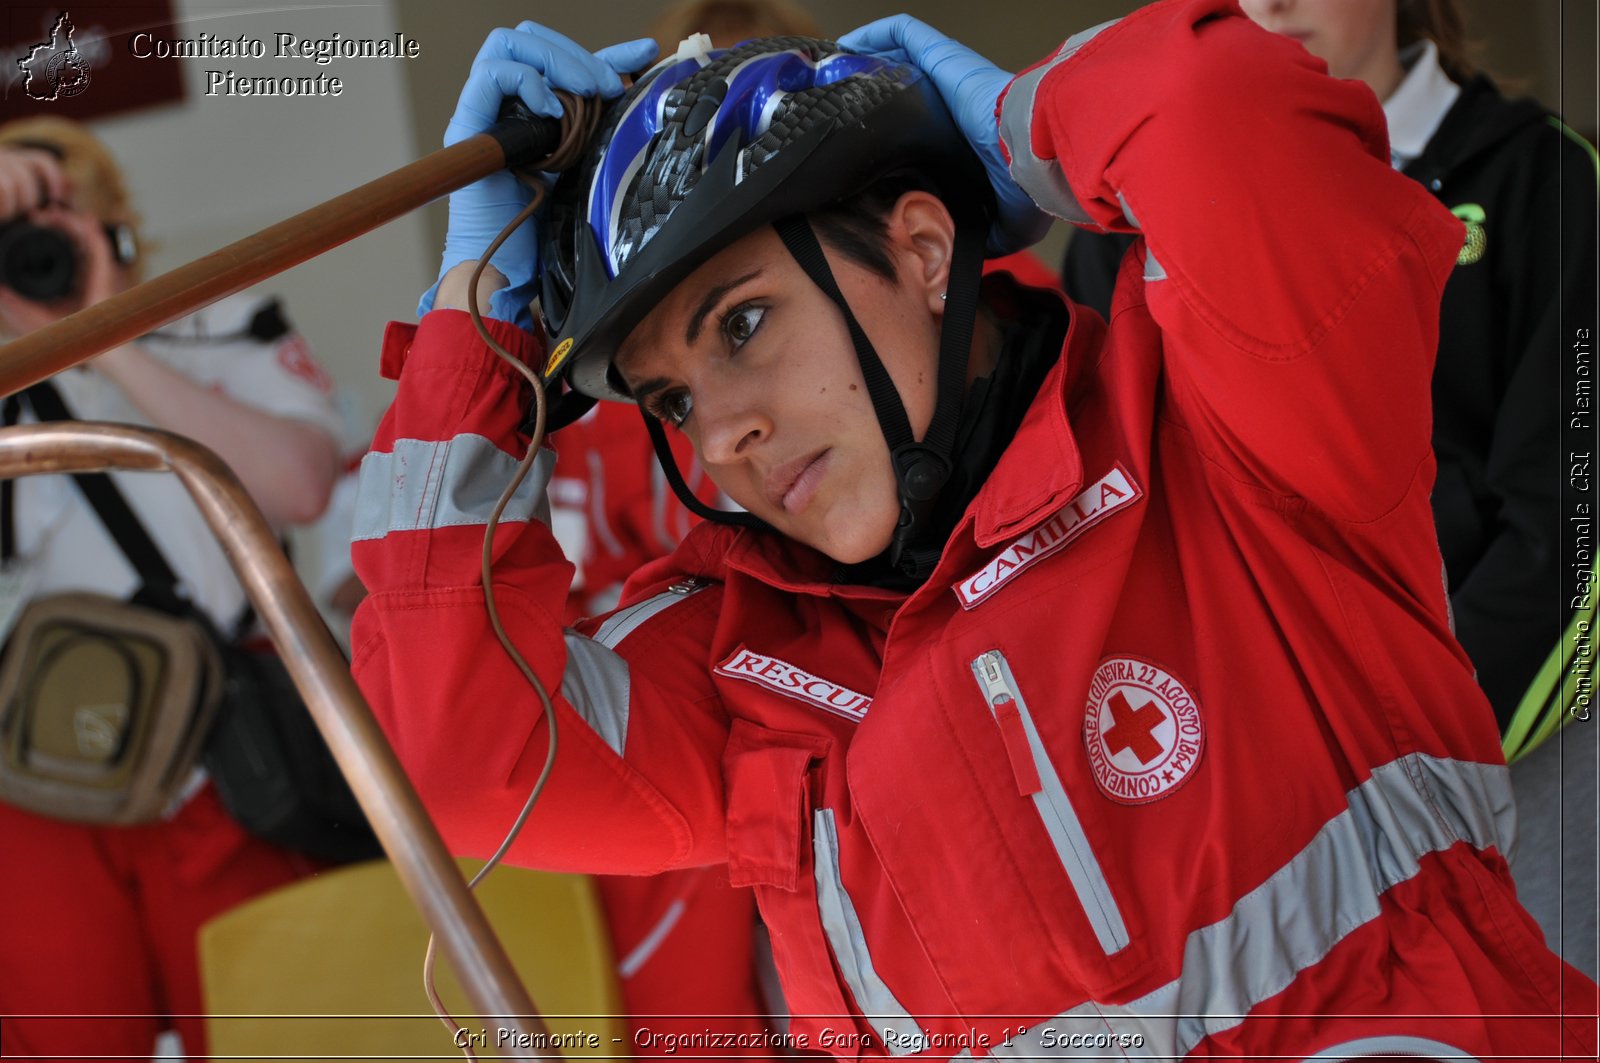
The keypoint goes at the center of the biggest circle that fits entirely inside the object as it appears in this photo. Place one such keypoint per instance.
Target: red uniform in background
(608, 484)
(103, 931)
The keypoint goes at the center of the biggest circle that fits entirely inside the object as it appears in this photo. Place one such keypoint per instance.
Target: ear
(923, 234)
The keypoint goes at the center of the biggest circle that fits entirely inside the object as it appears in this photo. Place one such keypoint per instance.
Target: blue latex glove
(970, 85)
(527, 63)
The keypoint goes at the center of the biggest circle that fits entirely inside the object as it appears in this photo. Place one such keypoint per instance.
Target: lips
(790, 486)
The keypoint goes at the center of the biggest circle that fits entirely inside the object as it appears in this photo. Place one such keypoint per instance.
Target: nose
(732, 425)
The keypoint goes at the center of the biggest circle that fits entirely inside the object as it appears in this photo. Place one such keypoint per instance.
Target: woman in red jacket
(1065, 689)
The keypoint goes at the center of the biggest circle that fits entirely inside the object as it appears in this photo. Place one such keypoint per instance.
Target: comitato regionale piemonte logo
(55, 69)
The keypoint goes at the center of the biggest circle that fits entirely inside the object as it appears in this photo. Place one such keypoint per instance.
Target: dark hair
(858, 227)
(1438, 21)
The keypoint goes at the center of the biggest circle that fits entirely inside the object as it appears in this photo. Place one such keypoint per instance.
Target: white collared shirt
(1417, 106)
(69, 548)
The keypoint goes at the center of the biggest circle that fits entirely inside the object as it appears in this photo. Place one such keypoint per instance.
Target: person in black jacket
(1522, 294)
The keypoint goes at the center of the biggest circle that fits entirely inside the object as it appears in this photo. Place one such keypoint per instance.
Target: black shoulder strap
(160, 583)
(8, 498)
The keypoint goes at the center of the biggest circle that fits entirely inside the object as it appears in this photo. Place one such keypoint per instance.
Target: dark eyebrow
(646, 389)
(709, 302)
(691, 332)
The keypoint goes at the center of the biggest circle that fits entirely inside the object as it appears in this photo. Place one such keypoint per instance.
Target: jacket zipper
(1037, 780)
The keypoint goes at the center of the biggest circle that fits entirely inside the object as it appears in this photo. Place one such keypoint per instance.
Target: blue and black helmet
(708, 146)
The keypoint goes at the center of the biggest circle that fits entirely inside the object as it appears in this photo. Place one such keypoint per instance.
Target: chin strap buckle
(920, 474)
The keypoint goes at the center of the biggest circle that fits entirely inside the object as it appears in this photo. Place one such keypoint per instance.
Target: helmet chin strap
(921, 468)
(669, 466)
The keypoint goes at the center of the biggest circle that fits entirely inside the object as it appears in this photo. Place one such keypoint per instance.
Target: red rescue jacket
(1174, 753)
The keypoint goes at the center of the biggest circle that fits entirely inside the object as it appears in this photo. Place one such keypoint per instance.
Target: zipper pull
(1003, 704)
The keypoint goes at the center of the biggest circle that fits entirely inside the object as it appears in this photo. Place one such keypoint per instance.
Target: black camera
(35, 262)
(41, 264)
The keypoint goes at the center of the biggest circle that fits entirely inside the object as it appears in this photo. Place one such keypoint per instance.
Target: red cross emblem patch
(1143, 730)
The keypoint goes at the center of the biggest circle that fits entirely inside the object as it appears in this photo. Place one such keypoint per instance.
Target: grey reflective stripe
(596, 684)
(1059, 817)
(1127, 211)
(659, 493)
(597, 505)
(422, 485)
(645, 949)
(1409, 808)
(1391, 1046)
(620, 625)
(900, 1032)
(1153, 270)
(1042, 179)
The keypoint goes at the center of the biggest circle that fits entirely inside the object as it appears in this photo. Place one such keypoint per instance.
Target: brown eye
(741, 323)
(674, 408)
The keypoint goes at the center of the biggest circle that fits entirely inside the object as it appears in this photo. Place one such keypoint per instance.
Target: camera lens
(35, 262)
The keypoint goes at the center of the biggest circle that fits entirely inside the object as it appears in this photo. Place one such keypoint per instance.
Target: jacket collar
(1042, 469)
(716, 551)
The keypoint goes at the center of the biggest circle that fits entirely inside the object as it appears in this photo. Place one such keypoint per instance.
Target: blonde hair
(727, 22)
(95, 178)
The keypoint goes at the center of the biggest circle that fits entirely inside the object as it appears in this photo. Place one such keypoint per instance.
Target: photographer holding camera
(102, 907)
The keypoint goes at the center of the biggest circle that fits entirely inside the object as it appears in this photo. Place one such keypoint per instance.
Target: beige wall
(1544, 48)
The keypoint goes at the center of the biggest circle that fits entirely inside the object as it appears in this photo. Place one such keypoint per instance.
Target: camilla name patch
(796, 683)
(1093, 504)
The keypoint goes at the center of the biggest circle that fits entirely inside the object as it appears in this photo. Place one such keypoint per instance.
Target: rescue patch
(1093, 504)
(795, 682)
(1143, 730)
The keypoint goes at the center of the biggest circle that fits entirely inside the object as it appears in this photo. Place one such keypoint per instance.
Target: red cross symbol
(1133, 727)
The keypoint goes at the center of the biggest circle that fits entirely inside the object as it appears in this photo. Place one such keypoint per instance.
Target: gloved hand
(970, 85)
(527, 62)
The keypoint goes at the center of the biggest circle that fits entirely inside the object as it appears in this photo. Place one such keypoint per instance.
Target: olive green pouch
(104, 705)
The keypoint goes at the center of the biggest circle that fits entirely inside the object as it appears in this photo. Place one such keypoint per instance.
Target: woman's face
(754, 364)
(1356, 38)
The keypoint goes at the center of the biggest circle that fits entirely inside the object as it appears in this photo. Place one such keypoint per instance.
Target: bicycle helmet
(708, 146)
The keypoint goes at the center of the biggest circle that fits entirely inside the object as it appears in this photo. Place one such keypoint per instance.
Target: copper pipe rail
(323, 679)
(144, 307)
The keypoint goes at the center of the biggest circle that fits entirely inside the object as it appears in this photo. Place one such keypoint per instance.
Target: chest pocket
(769, 804)
(773, 842)
(1037, 780)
